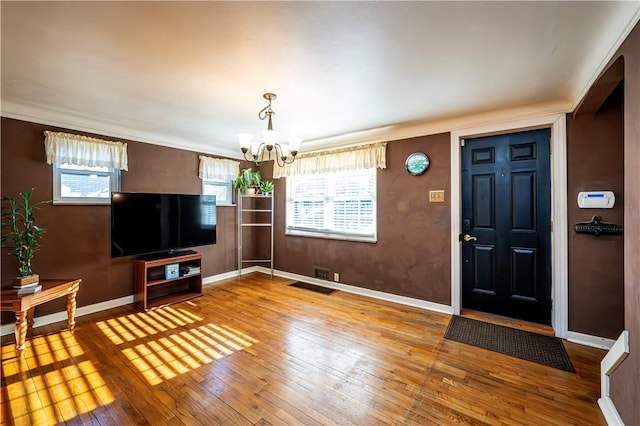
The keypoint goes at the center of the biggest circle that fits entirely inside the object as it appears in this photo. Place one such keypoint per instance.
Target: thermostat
(596, 200)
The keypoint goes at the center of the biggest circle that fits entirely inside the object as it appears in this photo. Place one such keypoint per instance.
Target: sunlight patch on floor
(129, 328)
(51, 384)
(178, 353)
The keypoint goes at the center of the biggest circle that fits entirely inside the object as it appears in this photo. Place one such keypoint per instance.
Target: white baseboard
(609, 411)
(62, 316)
(403, 300)
(215, 278)
(611, 361)
(589, 340)
(252, 269)
(102, 306)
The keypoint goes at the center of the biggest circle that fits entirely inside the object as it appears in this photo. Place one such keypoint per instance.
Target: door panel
(483, 201)
(506, 209)
(485, 273)
(523, 200)
(523, 273)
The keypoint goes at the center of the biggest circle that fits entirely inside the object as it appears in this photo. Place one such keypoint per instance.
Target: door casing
(559, 239)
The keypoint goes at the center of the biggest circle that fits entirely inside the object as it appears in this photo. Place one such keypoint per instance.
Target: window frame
(58, 170)
(333, 234)
(228, 185)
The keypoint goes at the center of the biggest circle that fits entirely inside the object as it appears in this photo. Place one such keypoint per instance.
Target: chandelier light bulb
(269, 137)
(284, 151)
(245, 141)
(294, 144)
(255, 147)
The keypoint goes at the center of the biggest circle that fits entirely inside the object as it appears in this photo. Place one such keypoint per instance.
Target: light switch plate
(436, 196)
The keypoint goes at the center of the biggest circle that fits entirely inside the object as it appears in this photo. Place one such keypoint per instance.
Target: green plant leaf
(20, 234)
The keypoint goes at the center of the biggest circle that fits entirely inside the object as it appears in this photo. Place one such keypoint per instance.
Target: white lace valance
(84, 151)
(218, 168)
(353, 158)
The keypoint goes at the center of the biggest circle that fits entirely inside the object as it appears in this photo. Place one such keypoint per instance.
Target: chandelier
(261, 151)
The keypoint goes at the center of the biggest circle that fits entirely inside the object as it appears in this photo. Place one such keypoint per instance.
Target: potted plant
(20, 234)
(266, 187)
(247, 181)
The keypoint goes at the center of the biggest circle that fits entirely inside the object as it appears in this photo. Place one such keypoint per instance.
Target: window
(222, 190)
(84, 185)
(85, 170)
(339, 205)
(217, 175)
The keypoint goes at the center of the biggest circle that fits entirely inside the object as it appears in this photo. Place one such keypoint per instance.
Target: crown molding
(605, 61)
(88, 125)
(379, 134)
(432, 127)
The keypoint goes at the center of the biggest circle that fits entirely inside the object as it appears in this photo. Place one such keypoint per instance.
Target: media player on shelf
(171, 271)
(189, 270)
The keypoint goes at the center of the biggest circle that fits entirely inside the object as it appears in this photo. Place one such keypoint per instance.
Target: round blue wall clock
(417, 163)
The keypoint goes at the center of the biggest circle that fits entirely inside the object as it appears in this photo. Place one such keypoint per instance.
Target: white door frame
(559, 238)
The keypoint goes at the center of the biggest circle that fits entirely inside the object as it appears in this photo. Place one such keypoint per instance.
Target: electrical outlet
(336, 277)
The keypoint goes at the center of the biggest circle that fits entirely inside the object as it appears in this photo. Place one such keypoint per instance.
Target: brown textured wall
(625, 386)
(412, 255)
(595, 152)
(77, 242)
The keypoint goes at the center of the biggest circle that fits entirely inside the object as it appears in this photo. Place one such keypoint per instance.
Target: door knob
(468, 237)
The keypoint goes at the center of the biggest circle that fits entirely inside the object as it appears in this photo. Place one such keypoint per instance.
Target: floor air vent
(313, 287)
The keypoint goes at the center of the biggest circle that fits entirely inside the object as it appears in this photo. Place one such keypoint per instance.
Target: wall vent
(323, 274)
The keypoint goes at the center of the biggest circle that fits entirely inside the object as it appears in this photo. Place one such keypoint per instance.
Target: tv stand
(152, 288)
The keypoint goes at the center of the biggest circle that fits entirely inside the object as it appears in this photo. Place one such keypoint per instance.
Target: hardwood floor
(256, 351)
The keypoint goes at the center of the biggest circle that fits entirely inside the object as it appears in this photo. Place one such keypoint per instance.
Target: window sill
(92, 202)
(332, 236)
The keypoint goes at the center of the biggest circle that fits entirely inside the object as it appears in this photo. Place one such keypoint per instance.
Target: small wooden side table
(22, 305)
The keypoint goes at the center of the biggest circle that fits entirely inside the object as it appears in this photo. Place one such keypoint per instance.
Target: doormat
(545, 350)
(313, 287)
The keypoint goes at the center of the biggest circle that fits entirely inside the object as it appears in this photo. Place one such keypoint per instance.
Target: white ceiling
(192, 74)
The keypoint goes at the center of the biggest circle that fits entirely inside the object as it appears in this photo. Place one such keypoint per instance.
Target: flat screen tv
(154, 223)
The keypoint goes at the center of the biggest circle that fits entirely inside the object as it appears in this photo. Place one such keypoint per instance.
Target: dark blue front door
(506, 218)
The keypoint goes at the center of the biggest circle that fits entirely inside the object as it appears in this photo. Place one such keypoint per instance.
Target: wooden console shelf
(153, 290)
